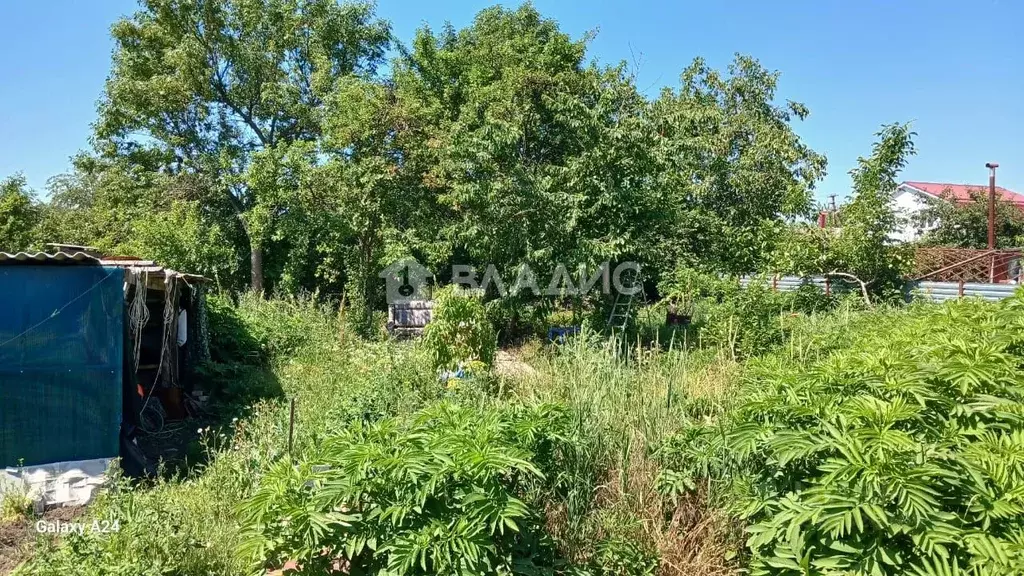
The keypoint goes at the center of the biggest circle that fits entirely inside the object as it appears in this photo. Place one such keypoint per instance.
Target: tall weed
(442, 493)
(899, 452)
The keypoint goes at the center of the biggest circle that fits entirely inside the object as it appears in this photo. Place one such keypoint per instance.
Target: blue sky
(956, 69)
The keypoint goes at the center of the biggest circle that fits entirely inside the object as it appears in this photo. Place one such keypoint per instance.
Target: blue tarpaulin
(61, 346)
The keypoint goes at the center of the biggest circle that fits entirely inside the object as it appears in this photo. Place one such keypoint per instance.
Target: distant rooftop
(961, 193)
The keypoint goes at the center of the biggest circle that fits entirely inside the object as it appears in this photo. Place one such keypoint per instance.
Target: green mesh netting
(60, 363)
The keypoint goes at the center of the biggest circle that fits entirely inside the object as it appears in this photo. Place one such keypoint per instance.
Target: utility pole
(991, 204)
(826, 216)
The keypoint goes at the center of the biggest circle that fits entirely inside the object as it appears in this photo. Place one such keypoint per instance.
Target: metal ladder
(620, 315)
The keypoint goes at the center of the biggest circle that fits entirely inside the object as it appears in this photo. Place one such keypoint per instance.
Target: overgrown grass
(270, 351)
(897, 448)
(607, 501)
(599, 507)
(611, 516)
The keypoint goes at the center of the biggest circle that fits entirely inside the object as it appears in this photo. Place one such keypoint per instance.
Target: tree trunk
(257, 268)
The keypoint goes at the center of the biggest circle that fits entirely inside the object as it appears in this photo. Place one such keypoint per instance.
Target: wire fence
(923, 289)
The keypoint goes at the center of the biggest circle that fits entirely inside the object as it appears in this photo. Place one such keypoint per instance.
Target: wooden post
(291, 426)
(991, 204)
(960, 290)
(828, 286)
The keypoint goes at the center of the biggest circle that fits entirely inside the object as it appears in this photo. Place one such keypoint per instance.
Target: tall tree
(489, 93)
(100, 199)
(370, 186)
(865, 247)
(732, 162)
(533, 155)
(226, 87)
(19, 215)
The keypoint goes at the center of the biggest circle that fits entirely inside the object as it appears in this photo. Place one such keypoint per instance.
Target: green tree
(368, 189)
(182, 239)
(732, 163)
(862, 248)
(533, 156)
(19, 215)
(965, 225)
(865, 248)
(225, 87)
(124, 206)
(99, 200)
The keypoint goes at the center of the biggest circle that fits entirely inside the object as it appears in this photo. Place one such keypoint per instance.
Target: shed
(72, 359)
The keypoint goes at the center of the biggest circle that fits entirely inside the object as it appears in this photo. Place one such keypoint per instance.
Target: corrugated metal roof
(45, 258)
(81, 258)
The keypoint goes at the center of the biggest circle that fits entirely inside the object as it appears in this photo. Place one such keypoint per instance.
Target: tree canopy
(280, 145)
(19, 215)
(224, 89)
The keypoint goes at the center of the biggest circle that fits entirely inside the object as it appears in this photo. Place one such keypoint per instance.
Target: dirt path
(18, 538)
(505, 364)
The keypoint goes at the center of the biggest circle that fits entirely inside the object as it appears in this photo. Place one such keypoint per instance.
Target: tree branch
(221, 89)
(245, 116)
(863, 285)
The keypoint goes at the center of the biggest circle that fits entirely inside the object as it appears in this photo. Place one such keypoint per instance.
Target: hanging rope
(170, 323)
(170, 294)
(138, 315)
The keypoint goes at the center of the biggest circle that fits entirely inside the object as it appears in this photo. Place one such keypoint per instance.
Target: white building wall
(907, 203)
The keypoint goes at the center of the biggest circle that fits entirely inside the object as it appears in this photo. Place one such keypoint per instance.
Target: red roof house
(911, 198)
(961, 193)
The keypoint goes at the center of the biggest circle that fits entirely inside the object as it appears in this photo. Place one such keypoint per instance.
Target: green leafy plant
(900, 454)
(619, 557)
(442, 493)
(684, 286)
(459, 333)
(15, 503)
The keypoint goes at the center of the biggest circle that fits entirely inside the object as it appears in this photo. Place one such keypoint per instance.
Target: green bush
(168, 528)
(15, 503)
(685, 286)
(459, 333)
(230, 339)
(247, 338)
(902, 453)
(440, 494)
(620, 557)
(750, 321)
(257, 330)
(515, 319)
(746, 321)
